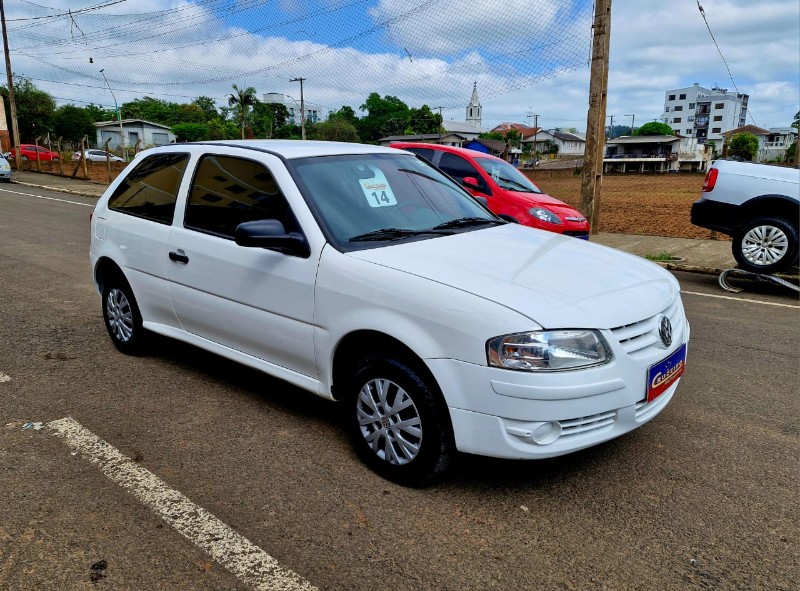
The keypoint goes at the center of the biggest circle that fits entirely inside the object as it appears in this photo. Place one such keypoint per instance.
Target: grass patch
(662, 256)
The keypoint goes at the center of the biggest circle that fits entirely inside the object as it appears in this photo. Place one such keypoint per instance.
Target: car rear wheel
(766, 245)
(398, 421)
(122, 317)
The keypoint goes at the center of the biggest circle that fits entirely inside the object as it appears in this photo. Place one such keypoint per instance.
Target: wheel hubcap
(120, 315)
(389, 421)
(765, 245)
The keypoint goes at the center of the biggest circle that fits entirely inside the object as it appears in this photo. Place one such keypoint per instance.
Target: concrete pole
(302, 108)
(596, 118)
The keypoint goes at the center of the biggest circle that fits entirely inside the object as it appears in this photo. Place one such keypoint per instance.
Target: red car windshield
(507, 176)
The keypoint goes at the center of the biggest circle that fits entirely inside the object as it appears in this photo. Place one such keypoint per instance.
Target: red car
(29, 153)
(507, 190)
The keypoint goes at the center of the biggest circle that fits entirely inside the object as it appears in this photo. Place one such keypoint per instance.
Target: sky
(528, 57)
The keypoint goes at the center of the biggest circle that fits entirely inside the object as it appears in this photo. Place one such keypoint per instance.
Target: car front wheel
(766, 245)
(399, 422)
(122, 317)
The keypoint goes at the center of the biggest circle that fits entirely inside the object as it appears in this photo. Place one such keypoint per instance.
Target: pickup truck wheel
(399, 422)
(766, 245)
(122, 317)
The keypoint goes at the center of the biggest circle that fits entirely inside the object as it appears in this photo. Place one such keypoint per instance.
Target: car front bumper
(521, 415)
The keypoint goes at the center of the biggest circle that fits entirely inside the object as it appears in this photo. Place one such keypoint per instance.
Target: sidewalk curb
(58, 189)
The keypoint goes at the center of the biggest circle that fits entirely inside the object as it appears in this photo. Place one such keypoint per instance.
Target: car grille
(583, 235)
(572, 427)
(640, 339)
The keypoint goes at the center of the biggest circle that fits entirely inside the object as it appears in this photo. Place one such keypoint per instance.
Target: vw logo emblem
(665, 331)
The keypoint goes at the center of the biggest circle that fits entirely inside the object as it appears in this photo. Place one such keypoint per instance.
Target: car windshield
(366, 199)
(507, 176)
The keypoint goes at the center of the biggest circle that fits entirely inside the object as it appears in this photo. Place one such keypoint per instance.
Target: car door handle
(178, 257)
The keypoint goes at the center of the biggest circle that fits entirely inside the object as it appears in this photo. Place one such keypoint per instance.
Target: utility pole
(595, 121)
(441, 122)
(633, 118)
(119, 118)
(12, 103)
(302, 108)
(535, 134)
(610, 126)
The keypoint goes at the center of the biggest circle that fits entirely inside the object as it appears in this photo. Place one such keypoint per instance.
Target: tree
(619, 130)
(346, 113)
(150, 109)
(744, 146)
(791, 152)
(190, 113)
(219, 129)
(796, 122)
(191, 132)
(97, 113)
(35, 109)
(654, 128)
(208, 106)
(71, 123)
(242, 99)
(423, 120)
(492, 135)
(335, 130)
(385, 116)
(267, 118)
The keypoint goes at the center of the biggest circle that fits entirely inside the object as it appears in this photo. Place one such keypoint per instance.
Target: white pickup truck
(758, 205)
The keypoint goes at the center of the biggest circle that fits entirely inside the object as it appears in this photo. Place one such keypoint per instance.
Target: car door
(138, 222)
(460, 168)
(252, 300)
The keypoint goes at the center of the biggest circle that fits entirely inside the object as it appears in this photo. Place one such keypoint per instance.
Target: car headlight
(545, 215)
(548, 350)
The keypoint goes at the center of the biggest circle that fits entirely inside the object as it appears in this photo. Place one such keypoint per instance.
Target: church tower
(474, 108)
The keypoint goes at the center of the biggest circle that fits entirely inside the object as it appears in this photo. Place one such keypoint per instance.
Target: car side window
(150, 190)
(228, 191)
(458, 168)
(426, 153)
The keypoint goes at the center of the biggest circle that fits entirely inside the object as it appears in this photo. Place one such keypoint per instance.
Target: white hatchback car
(364, 275)
(97, 156)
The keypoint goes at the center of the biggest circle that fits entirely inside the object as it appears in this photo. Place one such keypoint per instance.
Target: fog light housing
(546, 433)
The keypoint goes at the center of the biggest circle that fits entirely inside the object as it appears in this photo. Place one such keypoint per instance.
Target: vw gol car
(365, 276)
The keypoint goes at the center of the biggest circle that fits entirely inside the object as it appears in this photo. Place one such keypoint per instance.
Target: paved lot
(704, 497)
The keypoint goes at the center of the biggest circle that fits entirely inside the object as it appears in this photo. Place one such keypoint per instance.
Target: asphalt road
(703, 497)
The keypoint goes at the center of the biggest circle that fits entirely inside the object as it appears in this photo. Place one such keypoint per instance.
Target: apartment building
(704, 113)
(313, 112)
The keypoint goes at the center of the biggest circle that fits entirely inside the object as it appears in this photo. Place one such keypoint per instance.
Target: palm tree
(244, 98)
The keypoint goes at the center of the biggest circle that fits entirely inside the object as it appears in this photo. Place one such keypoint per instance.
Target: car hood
(555, 280)
(545, 200)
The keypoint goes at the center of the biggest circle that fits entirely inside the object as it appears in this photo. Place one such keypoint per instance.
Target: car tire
(766, 245)
(398, 421)
(122, 317)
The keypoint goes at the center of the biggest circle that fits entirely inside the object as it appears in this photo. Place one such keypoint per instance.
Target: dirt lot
(655, 205)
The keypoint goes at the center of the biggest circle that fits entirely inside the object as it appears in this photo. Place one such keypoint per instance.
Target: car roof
(290, 149)
(442, 148)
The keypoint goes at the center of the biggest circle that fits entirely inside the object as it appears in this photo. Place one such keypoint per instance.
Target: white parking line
(723, 297)
(249, 563)
(48, 198)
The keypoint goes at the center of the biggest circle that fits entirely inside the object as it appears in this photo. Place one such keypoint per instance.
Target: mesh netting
(422, 51)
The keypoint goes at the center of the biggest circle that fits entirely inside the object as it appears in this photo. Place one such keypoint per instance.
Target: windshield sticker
(496, 173)
(377, 190)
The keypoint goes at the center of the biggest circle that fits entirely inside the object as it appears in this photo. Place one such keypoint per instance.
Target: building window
(672, 97)
(676, 120)
(682, 97)
(717, 117)
(679, 108)
(690, 118)
(691, 105)
(667, 109)
(676, 131)
(689, 132)
(719, 105)
(716, 130)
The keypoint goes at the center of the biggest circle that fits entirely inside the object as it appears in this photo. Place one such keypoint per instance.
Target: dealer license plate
(663, 374)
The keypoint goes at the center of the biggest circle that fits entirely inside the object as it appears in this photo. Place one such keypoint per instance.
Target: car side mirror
(509, 218)
(272, 235)
(482, 200)
(470, 181)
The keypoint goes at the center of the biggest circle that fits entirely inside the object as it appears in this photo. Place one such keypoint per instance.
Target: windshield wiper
(466, 222)
(394, 234)
(522, 188)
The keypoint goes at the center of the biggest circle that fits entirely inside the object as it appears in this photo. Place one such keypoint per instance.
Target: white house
(656, 153)
(569, 144)
(313, 111)
(151, 134)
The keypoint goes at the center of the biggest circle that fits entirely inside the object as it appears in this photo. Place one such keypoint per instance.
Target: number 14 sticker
(377, 190)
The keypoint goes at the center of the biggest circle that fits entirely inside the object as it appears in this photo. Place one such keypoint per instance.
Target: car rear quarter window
(150, 190)
(426, 153)
(228, 191)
